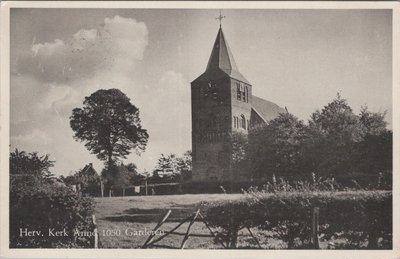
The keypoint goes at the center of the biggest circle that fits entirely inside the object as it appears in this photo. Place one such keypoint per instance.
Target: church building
(222, 104)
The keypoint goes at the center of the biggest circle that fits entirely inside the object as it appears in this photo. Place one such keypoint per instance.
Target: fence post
(102, 188)
(96, 235)
(145, 185)
(315, 227)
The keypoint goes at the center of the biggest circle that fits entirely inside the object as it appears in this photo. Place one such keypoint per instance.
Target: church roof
(221, 62)
(266, 109)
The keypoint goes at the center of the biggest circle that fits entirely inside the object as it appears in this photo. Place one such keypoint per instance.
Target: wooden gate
(152, 241)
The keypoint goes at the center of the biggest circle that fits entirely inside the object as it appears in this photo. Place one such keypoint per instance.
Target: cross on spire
(220, 17)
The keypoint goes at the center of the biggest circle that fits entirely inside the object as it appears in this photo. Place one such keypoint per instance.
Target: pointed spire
(222, 58)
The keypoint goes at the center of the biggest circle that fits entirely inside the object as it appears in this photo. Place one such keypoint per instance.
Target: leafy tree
(337, 122)
(30, 164)
(120, 176)
(89, 182)
(167, 169)
(341, 143)
(185, 162)
(238, 144)
(276, 148)
(373, 123)
(29, 168)
(374, 154)
(331, 136)
(109, 124)
(167, 164)
(171, 168)
(38, 201)
(185, 165)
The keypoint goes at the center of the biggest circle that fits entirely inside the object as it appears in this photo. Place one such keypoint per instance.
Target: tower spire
(220, 17)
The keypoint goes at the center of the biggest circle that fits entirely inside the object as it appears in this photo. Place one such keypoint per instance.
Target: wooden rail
(156, 228)
(188, 230)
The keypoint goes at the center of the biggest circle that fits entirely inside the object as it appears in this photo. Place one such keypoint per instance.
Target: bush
(49, 206)
(363, 219)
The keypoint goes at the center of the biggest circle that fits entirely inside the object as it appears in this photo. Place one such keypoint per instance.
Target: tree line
(335, 143)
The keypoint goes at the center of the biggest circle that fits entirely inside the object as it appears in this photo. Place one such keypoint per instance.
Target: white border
(164, 253)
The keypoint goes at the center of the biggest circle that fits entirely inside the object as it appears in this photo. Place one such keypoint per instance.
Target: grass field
(119, 217)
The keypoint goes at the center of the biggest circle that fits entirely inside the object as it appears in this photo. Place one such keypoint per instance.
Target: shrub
(361, 218)
(49, 206)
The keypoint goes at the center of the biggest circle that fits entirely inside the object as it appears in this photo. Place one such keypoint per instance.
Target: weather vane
(220, 17)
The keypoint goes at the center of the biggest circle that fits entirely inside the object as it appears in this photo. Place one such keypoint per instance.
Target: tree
(167, 169)
(374, 154)
(373, 123)
(172, 168)
(276, 148)
(185, 165)
(337, 122)
(39, 201)
(238, 144)
(110, 126)
(120, 176)
(29, 168)
(341, 143)
(30, 164)
(331, 136)
(88, 180)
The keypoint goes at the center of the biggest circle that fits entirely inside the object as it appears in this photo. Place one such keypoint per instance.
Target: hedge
(360, 219)
(46, 207)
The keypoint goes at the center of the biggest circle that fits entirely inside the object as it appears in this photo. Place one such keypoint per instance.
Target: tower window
(242, 92)
(239, 95)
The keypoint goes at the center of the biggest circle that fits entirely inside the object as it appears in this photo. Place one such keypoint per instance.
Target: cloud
(48, 48)
(118, 44)
(53, 77)
(58, 75)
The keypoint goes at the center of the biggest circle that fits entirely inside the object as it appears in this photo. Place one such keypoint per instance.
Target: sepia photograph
(206, 127)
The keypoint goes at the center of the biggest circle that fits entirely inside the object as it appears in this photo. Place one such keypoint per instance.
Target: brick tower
(221, 104)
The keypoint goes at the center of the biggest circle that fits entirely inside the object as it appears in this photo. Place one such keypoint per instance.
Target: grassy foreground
(119, 217)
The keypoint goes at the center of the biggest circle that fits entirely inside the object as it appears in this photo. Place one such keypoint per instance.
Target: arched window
(243, 121)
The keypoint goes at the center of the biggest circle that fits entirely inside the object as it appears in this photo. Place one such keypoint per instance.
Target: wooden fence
(152, 241)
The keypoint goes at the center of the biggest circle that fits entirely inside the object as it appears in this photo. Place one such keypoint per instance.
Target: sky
(296, 58)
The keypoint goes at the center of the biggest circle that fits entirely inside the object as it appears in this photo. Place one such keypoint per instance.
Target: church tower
(221, 105)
